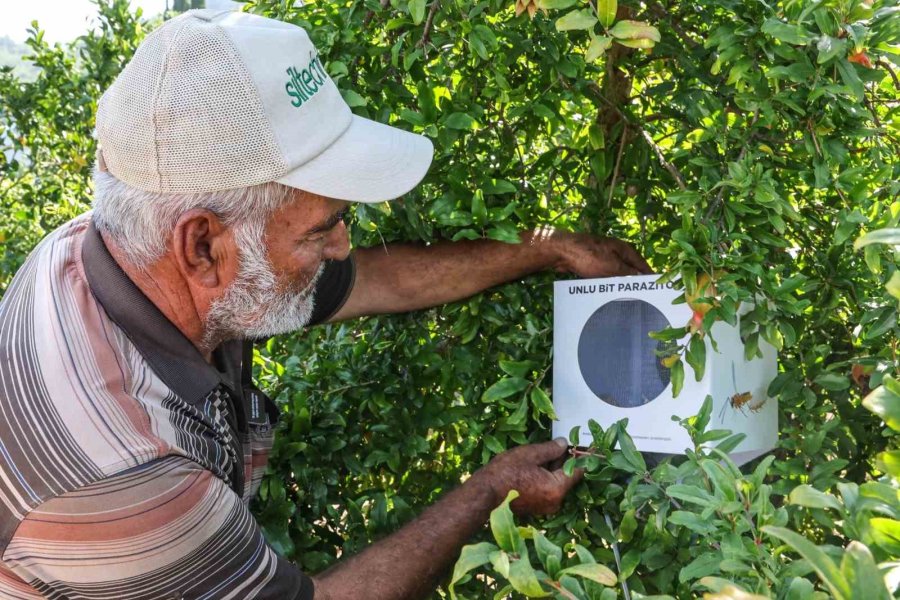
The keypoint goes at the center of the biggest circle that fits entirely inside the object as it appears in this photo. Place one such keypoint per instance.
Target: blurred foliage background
(751, 142)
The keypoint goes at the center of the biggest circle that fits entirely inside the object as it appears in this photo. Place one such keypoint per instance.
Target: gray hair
(140, 222)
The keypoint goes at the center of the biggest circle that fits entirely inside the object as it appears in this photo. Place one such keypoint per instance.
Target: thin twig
(428, 23)
(615, 175)
(662, 160)
(369, 15)
(615, 547)
(350, 386)
(597, 92)
(883, 63)
(815, 138)
(871, 108)
(575, 453)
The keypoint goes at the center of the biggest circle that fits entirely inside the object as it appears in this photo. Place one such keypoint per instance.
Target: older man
(131, 434)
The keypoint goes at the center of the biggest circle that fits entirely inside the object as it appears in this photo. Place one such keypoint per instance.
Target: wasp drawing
(740, 400)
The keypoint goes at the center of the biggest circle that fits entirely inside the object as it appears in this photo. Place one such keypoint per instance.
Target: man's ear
(203, 248)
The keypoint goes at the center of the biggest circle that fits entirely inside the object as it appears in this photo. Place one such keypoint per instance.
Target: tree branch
(429, 22)
(662, 159)
(615, 174)
(883, 63)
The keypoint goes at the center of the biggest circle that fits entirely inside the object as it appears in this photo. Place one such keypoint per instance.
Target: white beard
(253, 306)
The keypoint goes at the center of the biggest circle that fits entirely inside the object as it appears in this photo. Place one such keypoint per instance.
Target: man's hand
(588, 256)
(531, 470)
(428, 546)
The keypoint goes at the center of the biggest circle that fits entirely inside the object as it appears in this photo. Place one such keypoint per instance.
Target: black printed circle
(617, 357)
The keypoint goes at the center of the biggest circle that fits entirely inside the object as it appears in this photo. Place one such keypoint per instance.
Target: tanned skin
(408, 564)
(202, 260)
(406, 277)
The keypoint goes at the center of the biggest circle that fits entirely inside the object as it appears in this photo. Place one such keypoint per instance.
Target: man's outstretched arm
(408, 564)
(405, 277)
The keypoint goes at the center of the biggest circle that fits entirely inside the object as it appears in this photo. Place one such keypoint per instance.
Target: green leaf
(556, 4)
(477, 44)
(634, 458)
(518, 368)
(702, 419)
(879, 236)
(460, 120)
(677, 375)
(596, 136)
(893, 285)
(787, 33)
(826, 569)
(634, 30)
(479, 210)
(499, 186)
(703, 565)
(833, 381)
(859, 567)
(606, 10)
(353, 99)
(628, 525)
(829, 47)
(493, 444)
(885, 403)
(639, 43)
(696, 356)
(504, 388)
(692, 521)
(722, 480)
(889, 462)
(523, 578)
(669, 334)
(520, 415)
(577, 19)
(592, 571)
(548, 553)
(505, 232)
(471, 557)
(886, 533)
(541, 401)
(806, 495)
(691, 493)
(500, 563)
(599, 44)
(417, 11)
(850, 78)
(503, 525)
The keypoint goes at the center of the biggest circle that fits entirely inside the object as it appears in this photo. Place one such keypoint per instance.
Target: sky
(63, 20)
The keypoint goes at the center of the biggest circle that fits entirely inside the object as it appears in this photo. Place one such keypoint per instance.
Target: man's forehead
(306, 210)
(314, 202)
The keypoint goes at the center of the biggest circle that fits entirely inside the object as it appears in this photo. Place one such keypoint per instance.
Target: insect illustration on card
(740, 400)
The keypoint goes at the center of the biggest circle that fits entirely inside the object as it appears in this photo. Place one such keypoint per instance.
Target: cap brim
(369, 162)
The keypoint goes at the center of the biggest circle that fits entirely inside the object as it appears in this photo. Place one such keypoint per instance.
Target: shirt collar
(171, 355)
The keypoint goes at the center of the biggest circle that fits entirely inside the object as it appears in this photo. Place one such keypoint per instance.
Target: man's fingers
(541, 454)
(632, 258)
(566, 482)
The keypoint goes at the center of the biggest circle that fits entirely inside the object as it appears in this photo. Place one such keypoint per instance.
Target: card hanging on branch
(607, 367)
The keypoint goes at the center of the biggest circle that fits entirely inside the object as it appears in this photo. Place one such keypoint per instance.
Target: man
(131, 435)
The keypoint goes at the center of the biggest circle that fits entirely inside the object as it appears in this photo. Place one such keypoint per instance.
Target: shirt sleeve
(333, 289)
(168, 529)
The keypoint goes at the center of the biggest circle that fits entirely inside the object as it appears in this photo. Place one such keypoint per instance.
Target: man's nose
(337, 245)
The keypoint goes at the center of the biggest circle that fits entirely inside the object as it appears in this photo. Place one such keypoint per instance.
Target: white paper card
(605, 368)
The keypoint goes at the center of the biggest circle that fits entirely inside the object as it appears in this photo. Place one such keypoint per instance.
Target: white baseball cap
(216, 100)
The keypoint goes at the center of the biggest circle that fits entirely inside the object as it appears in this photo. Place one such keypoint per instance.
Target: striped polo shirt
(126, 460)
